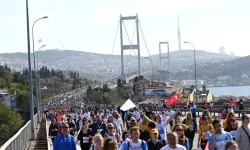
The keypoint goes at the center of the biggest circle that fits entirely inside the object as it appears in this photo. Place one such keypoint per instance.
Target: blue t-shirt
(193, 109)
(220, 140)
(64, 143)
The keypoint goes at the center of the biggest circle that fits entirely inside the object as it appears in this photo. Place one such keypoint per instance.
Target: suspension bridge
(22, 137)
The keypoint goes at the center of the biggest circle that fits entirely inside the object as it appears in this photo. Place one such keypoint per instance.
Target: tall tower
(179, 35)
(133, 46)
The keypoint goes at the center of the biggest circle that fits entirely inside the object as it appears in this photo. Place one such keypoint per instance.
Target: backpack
(142, 145)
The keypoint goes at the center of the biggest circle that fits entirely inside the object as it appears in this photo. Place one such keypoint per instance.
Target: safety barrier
(20, 139)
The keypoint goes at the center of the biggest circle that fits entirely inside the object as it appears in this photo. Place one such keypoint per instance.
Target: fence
(20, 139)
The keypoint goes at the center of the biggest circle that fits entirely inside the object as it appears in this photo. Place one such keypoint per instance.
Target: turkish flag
(173, 100)
(39, 41)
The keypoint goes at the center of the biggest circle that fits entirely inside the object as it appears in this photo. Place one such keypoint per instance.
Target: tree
(119, 83)
(105, 88)
(10, 120)
(2, 83)
(135, 79)
(22, 102)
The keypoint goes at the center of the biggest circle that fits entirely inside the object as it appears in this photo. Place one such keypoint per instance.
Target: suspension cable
(128, 36)
(131, 43)
(115, 37)
(151, 61)
(146, 44)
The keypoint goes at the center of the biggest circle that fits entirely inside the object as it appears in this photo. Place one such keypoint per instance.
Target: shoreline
(225, 86)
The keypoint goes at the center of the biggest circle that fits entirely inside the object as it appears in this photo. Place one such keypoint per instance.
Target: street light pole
(30, 75)
(196, 98)
(37, 96)
(38, 78)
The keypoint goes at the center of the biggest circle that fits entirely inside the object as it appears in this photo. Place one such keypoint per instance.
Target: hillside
(234, 68)
(101, 65)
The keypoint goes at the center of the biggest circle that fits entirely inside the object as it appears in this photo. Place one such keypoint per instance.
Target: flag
(39, 41)
(173, 100)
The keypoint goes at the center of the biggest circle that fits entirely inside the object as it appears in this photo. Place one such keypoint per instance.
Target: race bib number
(85, 139)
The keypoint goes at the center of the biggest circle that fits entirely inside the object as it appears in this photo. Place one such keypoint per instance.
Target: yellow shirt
(185, 127)
(190, 124)
(144, 127)
(210, 120)
(205, 131)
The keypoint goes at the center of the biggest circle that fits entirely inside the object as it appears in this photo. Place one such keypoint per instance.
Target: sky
(91, 25)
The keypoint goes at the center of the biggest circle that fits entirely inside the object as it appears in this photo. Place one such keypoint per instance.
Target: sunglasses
(110, 127)
(98, 140)
(65, 127)
(178, 130)
(217, 126)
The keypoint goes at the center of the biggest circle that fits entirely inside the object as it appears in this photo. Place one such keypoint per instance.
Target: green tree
(119, 83)
(10, 120)
(22, 102)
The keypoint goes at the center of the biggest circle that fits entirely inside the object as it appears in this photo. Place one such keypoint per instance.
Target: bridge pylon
(162, 57)
(132, 46)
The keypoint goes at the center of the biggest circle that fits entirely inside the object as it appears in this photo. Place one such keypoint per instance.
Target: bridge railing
(20, 139)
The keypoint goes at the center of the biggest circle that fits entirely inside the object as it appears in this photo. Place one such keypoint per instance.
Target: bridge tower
(132, 46)
(164, 57)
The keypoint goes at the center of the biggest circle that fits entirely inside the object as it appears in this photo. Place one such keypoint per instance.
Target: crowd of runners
(107, 127)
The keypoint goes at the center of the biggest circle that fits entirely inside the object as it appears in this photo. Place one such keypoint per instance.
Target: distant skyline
(90, 26)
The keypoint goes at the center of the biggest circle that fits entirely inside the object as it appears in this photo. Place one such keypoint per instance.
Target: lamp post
(30, 75)
(196, 98)
(37, 89)
(38, 78)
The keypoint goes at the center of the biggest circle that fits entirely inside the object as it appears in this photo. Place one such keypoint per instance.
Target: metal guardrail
(20, 139)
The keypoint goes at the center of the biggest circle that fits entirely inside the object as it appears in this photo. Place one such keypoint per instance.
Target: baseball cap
(154, 131)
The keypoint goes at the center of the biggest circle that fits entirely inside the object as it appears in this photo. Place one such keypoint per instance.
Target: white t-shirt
(220, 140)
(164, 117)
(118, 122)
(87, 115)
(135, 146)
(80, 124)
(178, 147)
(162, 129)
